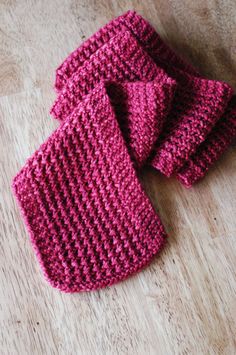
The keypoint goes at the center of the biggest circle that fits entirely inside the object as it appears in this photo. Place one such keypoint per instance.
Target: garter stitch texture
(198, 105)
(89, 219)
(124, 99)
(121, 58)
(140, 29)
(141, 109)
(209, 152)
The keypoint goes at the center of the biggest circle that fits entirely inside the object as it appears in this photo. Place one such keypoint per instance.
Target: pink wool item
(140, 29)
(89, 219)
(210, 151)
(141, 109)
(121, 58)
(198, 105)
(125, 99)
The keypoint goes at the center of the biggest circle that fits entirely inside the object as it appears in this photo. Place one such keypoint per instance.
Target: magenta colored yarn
(124, 99)
(89, 219)
(116, 52)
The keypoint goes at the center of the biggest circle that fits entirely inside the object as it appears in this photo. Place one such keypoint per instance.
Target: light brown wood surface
(185, 301)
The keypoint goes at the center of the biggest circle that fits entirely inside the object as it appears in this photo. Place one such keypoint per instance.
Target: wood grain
(184, 303)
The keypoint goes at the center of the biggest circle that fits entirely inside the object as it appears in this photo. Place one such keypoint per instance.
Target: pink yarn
(140, 29)
(141, 110)
(89, 219)
(119, 59)
(125, 99)
(210, 151)
(198, 104)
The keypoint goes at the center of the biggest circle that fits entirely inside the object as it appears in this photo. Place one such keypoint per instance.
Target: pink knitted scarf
(125, 99)
(89, 219)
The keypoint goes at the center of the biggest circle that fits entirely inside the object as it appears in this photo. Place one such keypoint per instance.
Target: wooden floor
(185, 302)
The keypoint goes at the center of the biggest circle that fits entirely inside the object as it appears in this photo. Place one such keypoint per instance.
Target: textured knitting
(162, 54)
(214, 146)
(121, 58)
(124, 99)
(89, 219)
(141, 109)
(197, 106)
(198, 103)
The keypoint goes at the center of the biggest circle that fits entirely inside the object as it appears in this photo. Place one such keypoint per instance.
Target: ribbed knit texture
(89, 219)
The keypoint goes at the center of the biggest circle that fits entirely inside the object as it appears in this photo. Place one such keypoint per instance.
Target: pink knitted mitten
(89, 219)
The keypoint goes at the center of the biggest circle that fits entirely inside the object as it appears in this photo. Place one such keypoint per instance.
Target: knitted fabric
(124, 99)
(140, 29)
(209, 152)
(141, 109)
(121, 58)
(198, 103)
(89, 219)
(197, 106)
